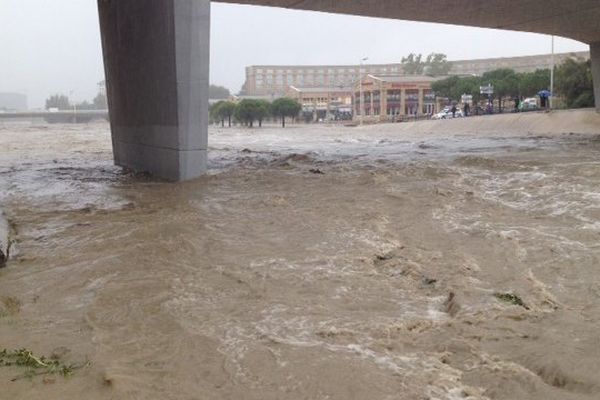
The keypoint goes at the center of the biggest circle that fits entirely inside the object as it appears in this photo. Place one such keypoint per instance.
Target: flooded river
(311, 263)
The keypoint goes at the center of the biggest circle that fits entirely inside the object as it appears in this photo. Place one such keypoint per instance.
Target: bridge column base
(156, 60)
(595, 56)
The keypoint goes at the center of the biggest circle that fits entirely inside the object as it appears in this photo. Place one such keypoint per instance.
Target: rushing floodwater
(311, 263)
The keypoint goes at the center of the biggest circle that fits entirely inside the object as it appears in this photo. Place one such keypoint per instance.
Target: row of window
(330, 71)
(302, 80)
(396, 95)
(392, 111)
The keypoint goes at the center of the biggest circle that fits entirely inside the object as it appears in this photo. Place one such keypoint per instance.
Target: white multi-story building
(274, 80)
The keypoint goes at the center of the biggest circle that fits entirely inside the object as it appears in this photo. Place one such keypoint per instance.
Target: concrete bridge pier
(156, 60)
(595, 57)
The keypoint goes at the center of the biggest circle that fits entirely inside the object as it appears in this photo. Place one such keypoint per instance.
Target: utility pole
(360, 71)
(552, 76)
(74, 105)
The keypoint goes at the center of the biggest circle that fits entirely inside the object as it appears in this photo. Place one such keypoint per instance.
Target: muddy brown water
(375, 279)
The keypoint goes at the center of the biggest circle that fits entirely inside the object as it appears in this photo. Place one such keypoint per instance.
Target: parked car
(446, 113)
(529, 104)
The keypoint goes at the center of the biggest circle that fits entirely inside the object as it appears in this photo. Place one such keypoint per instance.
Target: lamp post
(360, 90)
(74, 106)
(552, 75)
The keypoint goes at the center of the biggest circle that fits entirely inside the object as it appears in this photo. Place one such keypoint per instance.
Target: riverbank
(581, 121)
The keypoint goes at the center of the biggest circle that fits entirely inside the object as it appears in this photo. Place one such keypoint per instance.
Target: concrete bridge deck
(156, 55)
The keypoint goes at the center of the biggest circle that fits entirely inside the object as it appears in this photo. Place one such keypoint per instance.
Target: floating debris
(35, 366)
(511, 299)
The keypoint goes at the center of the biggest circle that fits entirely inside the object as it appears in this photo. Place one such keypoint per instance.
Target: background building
(390, 98)
(272, 80)
(13, 102)
(323, 103)
(518, 64)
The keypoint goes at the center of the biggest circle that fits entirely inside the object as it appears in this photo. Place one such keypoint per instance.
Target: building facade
(323, 103)
(273, 79)
(13, 102)
(392, 98)
(518, 64)
(276, 79)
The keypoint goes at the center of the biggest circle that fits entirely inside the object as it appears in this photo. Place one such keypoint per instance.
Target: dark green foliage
(436, 64)
(505, 82)
(285, 107)
(574, 83)
(450, 88)
(248, 111)
(413, 64)
(263, 110)
(530, 83)
(221, 111)
(218, 92)
(59, 101)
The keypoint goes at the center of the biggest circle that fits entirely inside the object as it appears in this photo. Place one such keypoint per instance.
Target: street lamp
(71, 94)
(360, 90)
(552, 76)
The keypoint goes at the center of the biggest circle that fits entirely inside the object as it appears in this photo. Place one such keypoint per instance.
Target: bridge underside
(573, 19)
(156, 56)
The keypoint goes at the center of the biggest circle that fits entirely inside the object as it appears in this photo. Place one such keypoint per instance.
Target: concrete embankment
(584, 121)
(4, 240)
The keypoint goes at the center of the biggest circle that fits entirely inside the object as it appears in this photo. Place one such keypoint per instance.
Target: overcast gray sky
(53, 46)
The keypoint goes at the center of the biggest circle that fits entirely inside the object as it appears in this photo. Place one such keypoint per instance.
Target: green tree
(84, 105)
(222, 110)
(285, 107)
(59, 101)
(448, 88)
(263, 110)
(218, 92)
(413, 64)
(100, 102)
(505, 82)
(530, 83)
(574, 83)
(436, 64)
(248, 111)
(227, 110)
(470, 85)
(214, 113)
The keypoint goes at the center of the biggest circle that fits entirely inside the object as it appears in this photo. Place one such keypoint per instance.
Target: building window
(393, 96)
